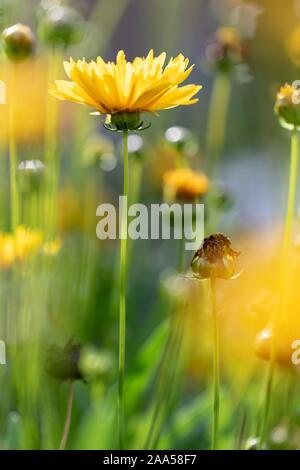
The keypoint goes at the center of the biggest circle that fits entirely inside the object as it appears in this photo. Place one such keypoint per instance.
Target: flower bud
(182, 139)
(287, 107)
(281, 343)
(253, 443)
(215, 258)
(95, 363)
(63, 363)
(226, 49)
(30, 174)
(60, 26)
(19, 42)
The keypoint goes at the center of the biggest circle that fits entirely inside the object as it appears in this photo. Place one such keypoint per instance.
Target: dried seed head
(63, 363)
(215, 258)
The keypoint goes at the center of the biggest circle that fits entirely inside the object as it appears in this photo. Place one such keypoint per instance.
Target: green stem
(216, 368)
(122, 310)
(136, 174)
(284, 273)
(13, 156)
(67, 425)
(51, 160)
(217, 120)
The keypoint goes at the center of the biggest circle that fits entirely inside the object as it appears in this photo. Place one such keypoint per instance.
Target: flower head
(17, 247)
(215, 258)
(63, 363)
(227, 48)
(123, 90)
(184, 184)
(287, 107)
(19, 42)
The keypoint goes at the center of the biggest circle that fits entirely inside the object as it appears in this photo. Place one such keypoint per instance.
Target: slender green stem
(136, 173)
(67, 425)
(13, 155)
(290, 210)
(284, 275)
(122, 311)
(217, 120)
(216, 367)
(51, 159)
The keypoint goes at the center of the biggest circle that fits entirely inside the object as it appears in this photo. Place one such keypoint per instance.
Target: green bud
(61, 26)
(19, 42)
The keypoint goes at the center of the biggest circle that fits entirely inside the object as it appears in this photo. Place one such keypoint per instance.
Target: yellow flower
(18, 246)
(293, 46)
(125, 89)
(7, 250)
(185, 184)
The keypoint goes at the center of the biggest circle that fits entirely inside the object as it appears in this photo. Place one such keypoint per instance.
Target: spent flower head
(123, 90)
(287, 106)
(227, 49)
(62, 363)
(215, 258)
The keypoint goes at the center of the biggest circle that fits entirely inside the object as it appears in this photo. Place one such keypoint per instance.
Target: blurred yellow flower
(128, 87)
(229, 36)
(26, 241)
(185, 184)
(18, 246)
(293, 46)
